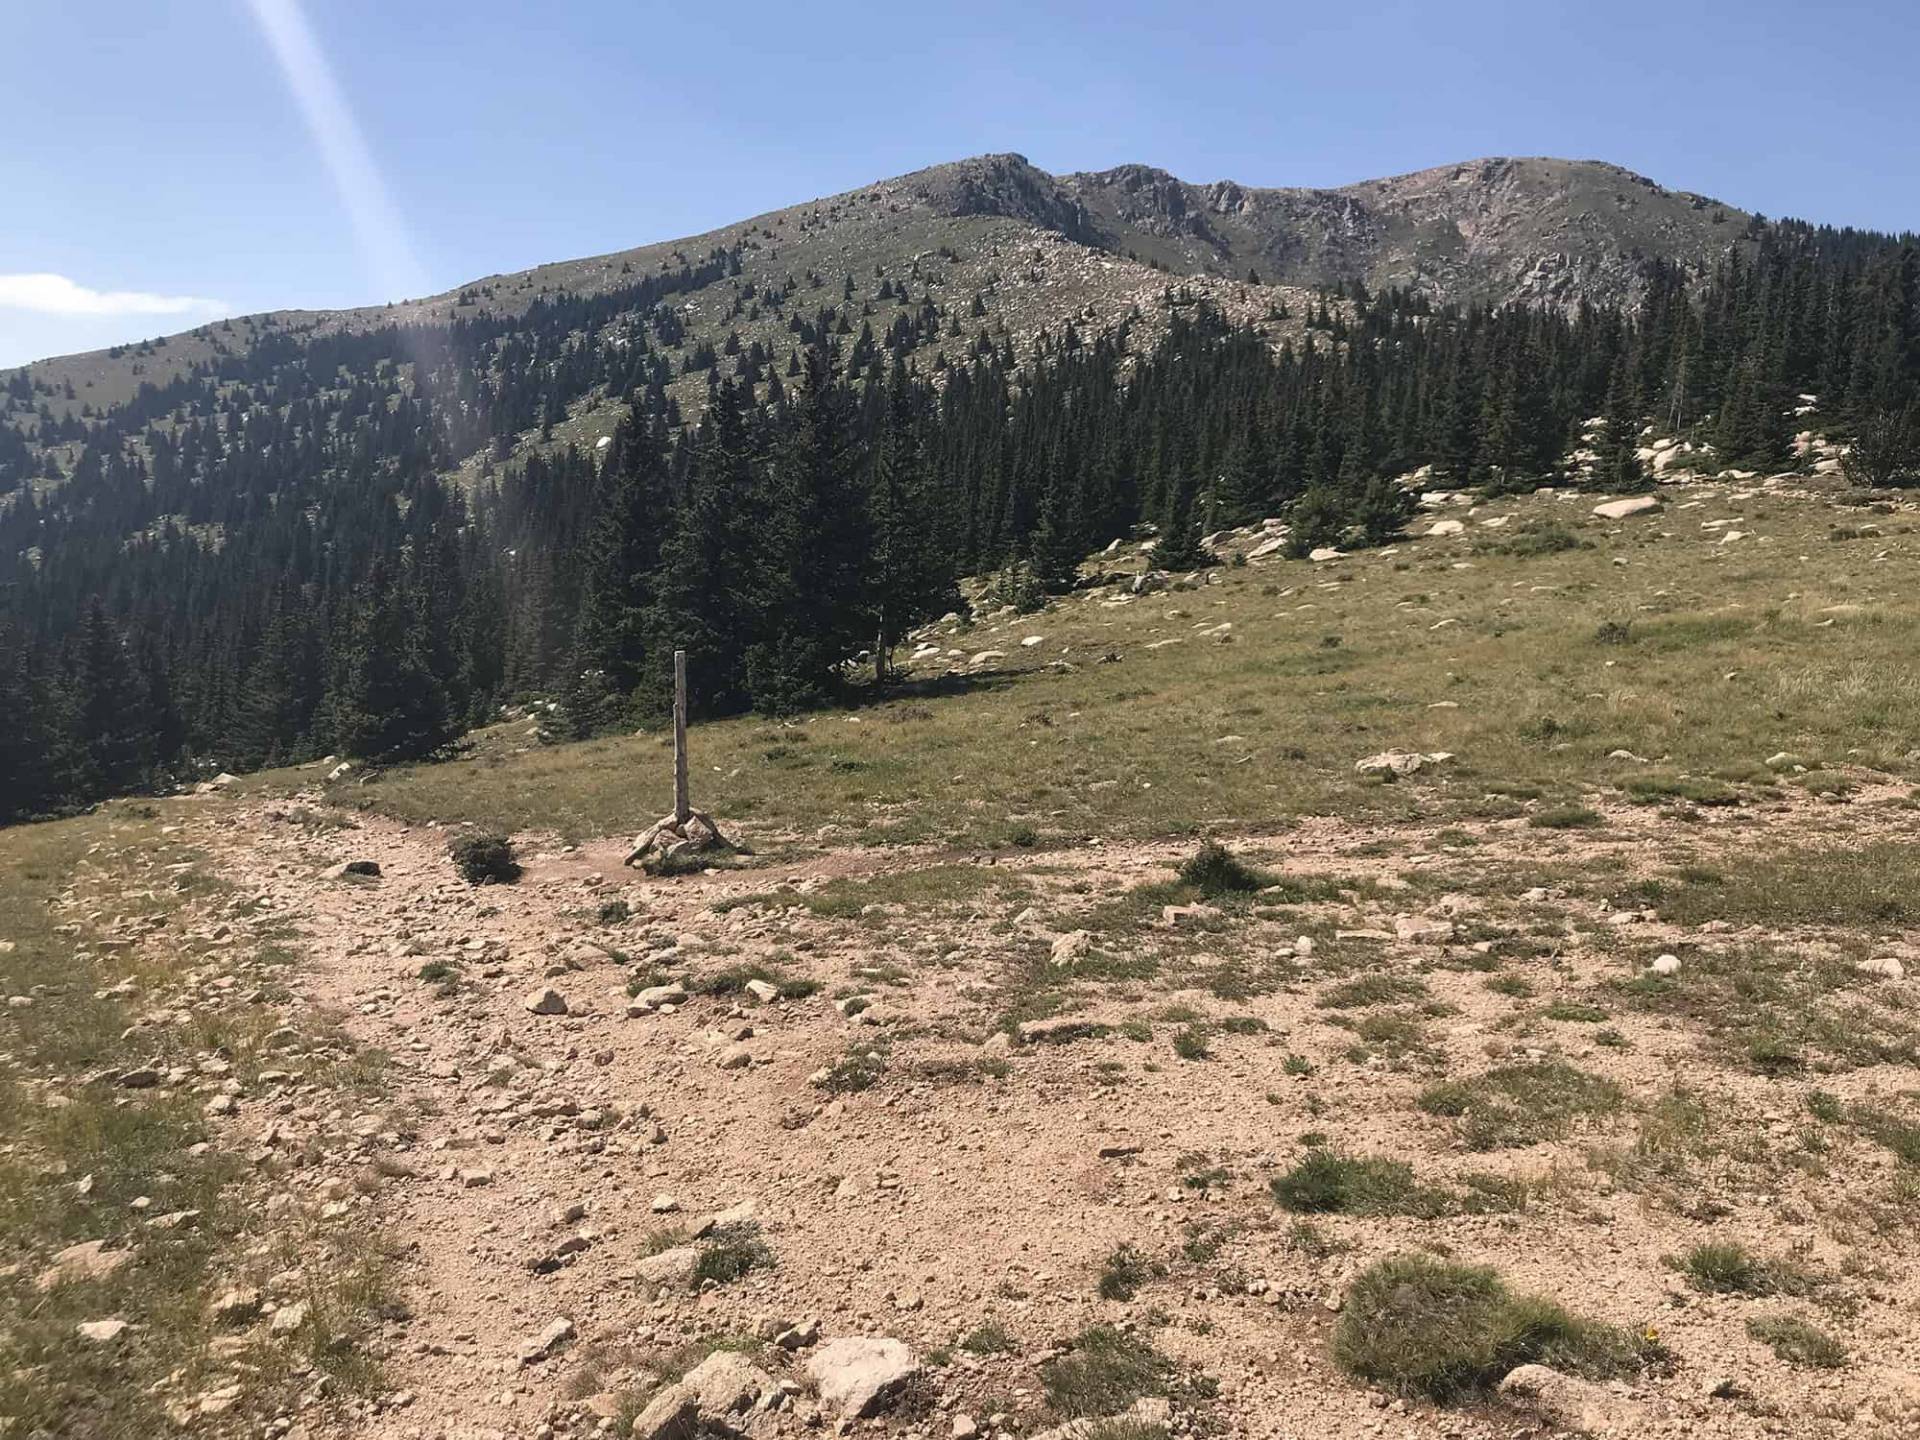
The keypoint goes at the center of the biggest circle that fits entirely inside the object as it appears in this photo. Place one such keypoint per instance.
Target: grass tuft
(1214, 871)
(1797, 1341)
(1520, 1105)
(1327, 1182)
(1104, 1372)
(1431, 1328)
(484, 859)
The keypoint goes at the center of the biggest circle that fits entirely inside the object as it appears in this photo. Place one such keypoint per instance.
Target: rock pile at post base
(670, 836)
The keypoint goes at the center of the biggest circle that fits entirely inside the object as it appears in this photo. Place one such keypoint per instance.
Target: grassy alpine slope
(1532, 649)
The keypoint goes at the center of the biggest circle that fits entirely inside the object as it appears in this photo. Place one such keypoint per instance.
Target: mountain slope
(1040, 250)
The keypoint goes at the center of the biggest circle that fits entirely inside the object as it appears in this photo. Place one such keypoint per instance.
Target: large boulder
(1621, 509)
(859, 1374)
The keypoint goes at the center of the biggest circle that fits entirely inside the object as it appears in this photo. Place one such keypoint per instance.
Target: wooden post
(682, 805)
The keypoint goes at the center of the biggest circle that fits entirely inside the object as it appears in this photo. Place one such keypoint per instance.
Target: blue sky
(168, 160)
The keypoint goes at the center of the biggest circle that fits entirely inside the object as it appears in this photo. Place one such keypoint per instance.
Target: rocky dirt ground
(908, 1140)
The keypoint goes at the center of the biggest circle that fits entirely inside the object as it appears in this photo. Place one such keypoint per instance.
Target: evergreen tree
(1616, 465)
(706, 559)
(114, 741)
(807, 582)
(910, 575)
(611, 645)
(390, 706)
(1178, 547)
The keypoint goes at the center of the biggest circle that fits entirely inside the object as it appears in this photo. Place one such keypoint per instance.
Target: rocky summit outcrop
(1533, 230)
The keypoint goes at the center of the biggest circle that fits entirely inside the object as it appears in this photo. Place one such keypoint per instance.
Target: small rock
(547, 1343)
(673, 1268)
(102, 1332)
(238, 1306)
(1072, 947)
(545, 1001)
(89, 1260)
(654, 996)
(673, 1414)
(1884, 966)
(727, 1382)
(1397, 764)
(1668, 964)
(798, 1337)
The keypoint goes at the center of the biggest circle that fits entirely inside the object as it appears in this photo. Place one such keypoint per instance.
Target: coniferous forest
(265, 560)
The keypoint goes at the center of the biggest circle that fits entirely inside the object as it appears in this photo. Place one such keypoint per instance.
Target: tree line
(263, 561)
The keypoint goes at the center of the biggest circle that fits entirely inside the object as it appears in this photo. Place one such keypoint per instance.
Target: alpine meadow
(1004, 805)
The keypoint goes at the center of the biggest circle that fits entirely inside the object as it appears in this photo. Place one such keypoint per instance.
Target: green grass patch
(1327, 1182)
(1567, 817)
(732, 1251)
(1729, 1268)
(1429, 1328)
(1214, 871)
(1370, 990)
(1519, 1105)
(733, 981)
(1798, 1341)
(1103, 1372)
(1782, 1009)
(1124, 1272)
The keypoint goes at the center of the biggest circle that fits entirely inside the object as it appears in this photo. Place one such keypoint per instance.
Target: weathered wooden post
(675, 839)
(682, 803)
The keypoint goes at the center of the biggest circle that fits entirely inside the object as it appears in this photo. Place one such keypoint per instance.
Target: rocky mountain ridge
(1109, 243)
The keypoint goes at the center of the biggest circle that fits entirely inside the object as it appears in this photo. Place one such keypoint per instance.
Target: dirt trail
(523, 1161)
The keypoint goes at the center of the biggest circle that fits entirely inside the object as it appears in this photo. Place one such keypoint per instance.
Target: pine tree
(390, 706)
(1244, 491)
(1616, 465)
(1316, 520)
(807, 583)
(26, 751)
(277, 704)
(910, 575)
(707, 560)
(111, 729)
(611, 643)
(1178, 547)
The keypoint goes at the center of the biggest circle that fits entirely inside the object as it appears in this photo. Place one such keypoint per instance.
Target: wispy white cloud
(49, 294)
(376, 220)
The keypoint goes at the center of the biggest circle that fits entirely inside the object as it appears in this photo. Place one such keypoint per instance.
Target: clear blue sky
(159, 166)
